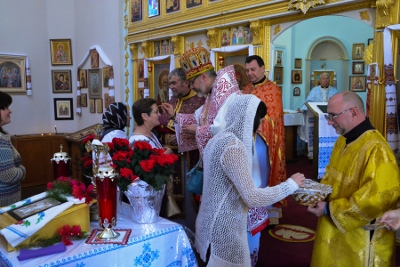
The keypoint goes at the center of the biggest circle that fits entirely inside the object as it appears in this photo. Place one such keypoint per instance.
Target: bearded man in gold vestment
(365, 181)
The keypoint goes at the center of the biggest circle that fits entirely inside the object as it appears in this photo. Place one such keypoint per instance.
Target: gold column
(385, 15)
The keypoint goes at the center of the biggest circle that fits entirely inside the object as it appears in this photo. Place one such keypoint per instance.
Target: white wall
(28, 26)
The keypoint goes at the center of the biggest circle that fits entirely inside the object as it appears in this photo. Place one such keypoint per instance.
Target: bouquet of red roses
(151, 165)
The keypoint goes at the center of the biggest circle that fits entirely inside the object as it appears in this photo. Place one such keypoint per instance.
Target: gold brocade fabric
(365, 180)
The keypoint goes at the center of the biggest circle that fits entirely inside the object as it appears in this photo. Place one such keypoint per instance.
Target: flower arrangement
(65, 186)
(65, 234)
(86, 159)
(149, 164)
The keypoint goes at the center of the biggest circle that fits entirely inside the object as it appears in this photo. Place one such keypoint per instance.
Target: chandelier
(304, 5)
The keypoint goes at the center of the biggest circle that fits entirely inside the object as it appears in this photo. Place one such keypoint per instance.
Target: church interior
(76, 57)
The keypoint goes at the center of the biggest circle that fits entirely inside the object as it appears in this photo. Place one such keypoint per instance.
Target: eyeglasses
(331, 117)
(192, 81)
(155, 111)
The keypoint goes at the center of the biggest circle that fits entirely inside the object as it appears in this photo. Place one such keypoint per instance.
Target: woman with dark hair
(229, 189)
(146, 115)
(11, 170)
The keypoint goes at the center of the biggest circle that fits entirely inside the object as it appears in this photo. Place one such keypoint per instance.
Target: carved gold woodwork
(134, 51)
(213, 40)
(368, 54)
(126, 77)
(145, 49)
(383, 13)
(277, 29)
(364, 15)
(304, 5)
(257, 31)
(177, 42)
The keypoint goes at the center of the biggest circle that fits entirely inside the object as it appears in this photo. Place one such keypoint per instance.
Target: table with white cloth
(323, 138)
(164, 243)
(292, 119)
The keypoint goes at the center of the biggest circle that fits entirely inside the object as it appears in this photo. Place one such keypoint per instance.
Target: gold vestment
(365, 183)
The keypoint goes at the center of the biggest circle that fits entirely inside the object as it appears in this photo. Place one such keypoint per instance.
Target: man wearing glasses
(364, 176)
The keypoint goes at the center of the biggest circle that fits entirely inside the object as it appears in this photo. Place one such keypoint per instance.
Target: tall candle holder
(106, 184)
(105, 179)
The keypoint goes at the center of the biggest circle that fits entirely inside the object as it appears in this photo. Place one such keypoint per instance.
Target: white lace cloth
(229, 190)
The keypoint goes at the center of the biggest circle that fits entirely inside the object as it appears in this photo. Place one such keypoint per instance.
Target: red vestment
(272, 128)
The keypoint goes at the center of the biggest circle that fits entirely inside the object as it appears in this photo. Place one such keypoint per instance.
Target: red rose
(76, 230)
(147, 165)
(126, 173)
(121, 142)
(119, 156)
(49, 186)
(142, 145)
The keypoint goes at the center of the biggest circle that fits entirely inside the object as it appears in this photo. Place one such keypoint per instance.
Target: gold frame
(357, 52)
(10, 62)
(56, 53)
(278, 78)
(294, 74)
(55, 76)
(353, 81)
(317, 73)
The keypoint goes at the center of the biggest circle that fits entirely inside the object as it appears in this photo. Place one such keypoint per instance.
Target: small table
(164, 243)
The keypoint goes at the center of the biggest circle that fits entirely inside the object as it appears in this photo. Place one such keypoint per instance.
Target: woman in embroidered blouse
(11, 170)
(146, 115)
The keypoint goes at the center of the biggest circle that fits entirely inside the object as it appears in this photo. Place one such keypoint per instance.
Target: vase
(145, 201)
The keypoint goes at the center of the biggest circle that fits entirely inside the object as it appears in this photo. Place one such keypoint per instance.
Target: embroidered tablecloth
(164, 243)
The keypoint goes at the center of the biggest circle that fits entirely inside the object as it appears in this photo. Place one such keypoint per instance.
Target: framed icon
(358, 67)
(63, 109)
(61, 81)
(84, 100)
(278, 57)
(94, 59)
(95, 83)
(296, 91)
(136, 8)
(297, 63)
(278, 75)
(83, 78)
(297, 76)
(61, 52)
(357, 83)
(358, 50)
(13, 74)
(154, 8)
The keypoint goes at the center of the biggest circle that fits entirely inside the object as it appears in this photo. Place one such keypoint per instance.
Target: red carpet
(278, 253)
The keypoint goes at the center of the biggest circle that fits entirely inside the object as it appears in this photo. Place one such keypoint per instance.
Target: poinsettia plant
(65, 186)
(142, 161)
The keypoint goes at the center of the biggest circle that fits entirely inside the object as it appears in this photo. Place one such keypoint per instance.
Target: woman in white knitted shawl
(228, 189)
